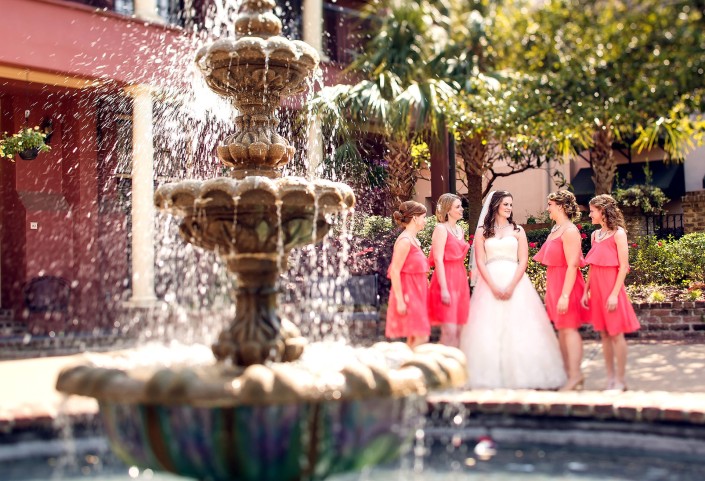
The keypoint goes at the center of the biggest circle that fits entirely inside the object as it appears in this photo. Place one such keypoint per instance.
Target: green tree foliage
(615, 70)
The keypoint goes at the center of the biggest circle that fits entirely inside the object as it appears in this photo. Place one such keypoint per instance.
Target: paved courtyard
(659, 372)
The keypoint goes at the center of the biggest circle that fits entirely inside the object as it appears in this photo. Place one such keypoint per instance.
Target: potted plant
(27, 143)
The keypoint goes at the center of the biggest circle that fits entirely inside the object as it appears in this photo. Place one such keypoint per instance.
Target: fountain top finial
(256, 18)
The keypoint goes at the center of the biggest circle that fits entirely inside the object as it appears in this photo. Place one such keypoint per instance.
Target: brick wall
(671, 319)
(694, 211)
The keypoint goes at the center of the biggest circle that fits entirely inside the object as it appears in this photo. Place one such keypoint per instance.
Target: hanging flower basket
(27, 143)
(29, 154)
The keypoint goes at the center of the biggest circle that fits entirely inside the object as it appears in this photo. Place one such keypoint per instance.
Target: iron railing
(664, 225)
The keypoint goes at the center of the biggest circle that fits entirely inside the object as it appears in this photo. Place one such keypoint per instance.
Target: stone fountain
(270, 407)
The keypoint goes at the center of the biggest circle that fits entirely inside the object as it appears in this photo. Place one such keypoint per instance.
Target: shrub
(657, 296)
(694, 294)
(655, 261)
(691, 249)
(535, 270)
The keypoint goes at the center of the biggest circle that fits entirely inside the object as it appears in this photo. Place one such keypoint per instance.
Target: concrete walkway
(655, 369)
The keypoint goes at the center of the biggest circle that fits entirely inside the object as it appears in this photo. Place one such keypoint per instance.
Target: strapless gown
(509, 344)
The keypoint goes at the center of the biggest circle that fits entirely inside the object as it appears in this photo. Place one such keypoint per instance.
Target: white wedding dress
(509, 344)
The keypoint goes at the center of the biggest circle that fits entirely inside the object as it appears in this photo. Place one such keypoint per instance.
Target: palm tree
(401, 96)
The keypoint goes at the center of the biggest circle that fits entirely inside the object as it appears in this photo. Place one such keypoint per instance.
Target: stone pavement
(666, 382)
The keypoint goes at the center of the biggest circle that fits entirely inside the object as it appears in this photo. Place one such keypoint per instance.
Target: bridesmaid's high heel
(574, 386)
(616, 388)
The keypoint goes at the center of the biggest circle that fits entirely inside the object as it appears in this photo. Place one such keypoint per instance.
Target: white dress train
(509, 344)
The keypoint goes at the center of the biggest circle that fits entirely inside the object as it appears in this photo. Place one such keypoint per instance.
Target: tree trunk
(440, 172)
(602, 160)
(401, 173)
(473, 151)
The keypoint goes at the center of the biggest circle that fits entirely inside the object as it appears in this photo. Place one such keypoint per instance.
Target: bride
(508, 340)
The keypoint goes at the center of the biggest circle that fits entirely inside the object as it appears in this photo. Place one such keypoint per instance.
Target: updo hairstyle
(407, 211)
(566, 201)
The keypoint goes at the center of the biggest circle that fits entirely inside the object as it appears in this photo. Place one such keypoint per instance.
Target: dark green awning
(670, 178)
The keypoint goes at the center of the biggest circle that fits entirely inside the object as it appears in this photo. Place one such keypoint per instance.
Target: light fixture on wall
(47, 127)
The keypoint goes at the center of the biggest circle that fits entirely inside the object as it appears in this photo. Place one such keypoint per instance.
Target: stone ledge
(630, 406)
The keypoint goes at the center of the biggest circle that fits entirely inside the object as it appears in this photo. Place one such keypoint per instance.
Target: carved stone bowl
(255, 215)
(308, 419)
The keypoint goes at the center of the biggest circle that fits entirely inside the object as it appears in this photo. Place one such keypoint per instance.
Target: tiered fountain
(260, 412)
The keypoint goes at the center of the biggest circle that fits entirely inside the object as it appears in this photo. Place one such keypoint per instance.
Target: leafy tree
(615, 70)
(503, 130)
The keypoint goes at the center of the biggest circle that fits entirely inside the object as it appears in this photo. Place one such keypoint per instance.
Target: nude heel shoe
(575, 386)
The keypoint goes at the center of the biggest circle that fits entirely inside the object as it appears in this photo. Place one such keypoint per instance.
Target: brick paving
(666, 381)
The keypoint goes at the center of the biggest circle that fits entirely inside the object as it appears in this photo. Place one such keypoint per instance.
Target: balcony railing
(172, 11)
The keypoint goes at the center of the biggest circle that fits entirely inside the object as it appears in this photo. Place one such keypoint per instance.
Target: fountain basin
(238, 67)
(334, 410)
(258, 443)
(255, 215)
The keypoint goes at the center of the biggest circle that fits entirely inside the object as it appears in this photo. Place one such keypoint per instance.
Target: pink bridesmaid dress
(552, 256)
(604, 266)
(457, 280)
(414, 285)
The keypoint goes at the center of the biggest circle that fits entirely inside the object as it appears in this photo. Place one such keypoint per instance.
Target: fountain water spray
(259, 412)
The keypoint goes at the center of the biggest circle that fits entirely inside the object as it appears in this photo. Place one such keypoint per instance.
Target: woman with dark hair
(407, 311)
(508, 340)
(449, 297)
(563, 257)
(610, 310)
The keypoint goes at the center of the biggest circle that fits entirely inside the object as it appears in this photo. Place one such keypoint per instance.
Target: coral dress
(604, 267)
(552, 256)
(509, 343)
(457, 280)
(414, 285)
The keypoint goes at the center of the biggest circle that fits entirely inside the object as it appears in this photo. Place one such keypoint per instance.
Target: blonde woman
(611, 312)
(449, 297)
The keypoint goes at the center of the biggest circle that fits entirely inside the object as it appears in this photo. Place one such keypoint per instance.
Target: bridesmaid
(449, 298)
(611, 312)
(562, 255)
(407, 311)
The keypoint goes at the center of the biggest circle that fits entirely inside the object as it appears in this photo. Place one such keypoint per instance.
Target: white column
(313, 24)
(147, 10)
(314, 147)
(142, 196)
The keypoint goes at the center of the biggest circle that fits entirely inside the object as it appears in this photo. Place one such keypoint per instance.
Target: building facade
(77, 224)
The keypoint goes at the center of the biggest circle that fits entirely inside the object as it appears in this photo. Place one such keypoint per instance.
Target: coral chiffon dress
(414, 285)
(456, 312)
(604, 267)
(552, 256)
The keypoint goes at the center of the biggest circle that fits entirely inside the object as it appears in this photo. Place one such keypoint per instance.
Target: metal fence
(664, 225)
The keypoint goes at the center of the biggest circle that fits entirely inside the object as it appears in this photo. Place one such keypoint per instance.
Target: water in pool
(511, 462)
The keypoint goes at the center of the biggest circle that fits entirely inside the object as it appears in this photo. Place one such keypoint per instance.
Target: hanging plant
(26, 143)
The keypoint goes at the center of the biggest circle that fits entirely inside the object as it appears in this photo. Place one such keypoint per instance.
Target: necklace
(601, 235)
(558, 226)
(454, 230)
(501, 227)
